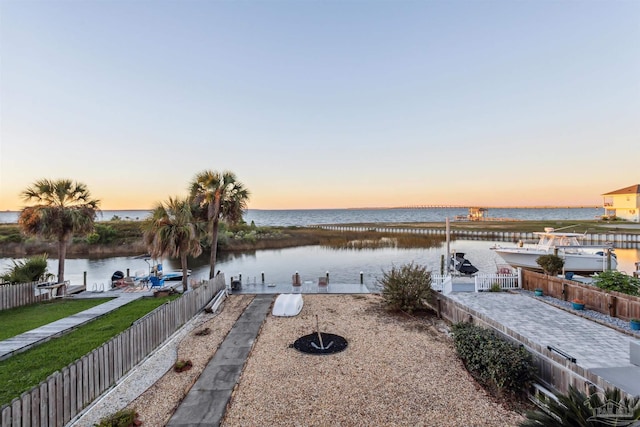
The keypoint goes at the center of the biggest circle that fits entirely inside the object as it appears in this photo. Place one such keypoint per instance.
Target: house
(623, 204)
(475, 214)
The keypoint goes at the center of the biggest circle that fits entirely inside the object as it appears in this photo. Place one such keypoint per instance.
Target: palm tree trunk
(214, 218)
(62, 255)
(185, 278)
(214, 249)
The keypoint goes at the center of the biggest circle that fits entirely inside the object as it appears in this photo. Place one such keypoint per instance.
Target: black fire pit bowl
(311, 344)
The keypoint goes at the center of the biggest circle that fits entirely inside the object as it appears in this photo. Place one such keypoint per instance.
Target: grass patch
(22, 319)
(25, 370)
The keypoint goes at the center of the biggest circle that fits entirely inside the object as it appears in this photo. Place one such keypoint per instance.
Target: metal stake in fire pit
(322, 347)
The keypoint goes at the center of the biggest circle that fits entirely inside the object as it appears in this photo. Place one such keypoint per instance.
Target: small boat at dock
(462, 265)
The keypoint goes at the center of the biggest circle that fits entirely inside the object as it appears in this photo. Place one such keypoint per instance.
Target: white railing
(484, 282)
(436, 281)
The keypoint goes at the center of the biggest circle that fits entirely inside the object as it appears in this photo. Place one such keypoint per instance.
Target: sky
(323, 104)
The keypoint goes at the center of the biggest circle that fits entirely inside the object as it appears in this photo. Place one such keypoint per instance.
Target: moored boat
(577, 257)
(462, 265)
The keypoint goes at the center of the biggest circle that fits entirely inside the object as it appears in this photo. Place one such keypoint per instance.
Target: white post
(446, 258)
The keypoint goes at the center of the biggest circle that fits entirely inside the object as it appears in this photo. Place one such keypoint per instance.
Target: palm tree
(172, 231)
(221, 196)
(63, 208)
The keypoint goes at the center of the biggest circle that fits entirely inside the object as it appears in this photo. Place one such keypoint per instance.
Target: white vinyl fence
(484, 282)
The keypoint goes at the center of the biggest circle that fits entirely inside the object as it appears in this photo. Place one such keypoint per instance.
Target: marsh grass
(374, 239)
(21, 372)
(22, 319)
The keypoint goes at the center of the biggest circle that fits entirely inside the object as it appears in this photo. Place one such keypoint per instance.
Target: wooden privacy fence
(615, 304)
(67, 392)
(20, 294)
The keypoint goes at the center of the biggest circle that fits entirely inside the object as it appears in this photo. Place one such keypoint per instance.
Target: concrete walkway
(206, 402)
(31, 338)
(596, 347)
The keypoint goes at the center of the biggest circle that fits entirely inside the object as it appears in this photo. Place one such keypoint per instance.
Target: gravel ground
(396, 371)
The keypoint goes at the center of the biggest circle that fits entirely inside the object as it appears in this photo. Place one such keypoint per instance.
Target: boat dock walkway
(206, 402)
(31, 338)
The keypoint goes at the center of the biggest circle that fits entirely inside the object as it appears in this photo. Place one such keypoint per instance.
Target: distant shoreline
(479, 206)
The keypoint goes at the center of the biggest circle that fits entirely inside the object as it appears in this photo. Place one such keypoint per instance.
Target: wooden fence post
(612, 305)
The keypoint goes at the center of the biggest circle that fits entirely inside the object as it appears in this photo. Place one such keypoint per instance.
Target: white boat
(287, 305)
(577, 257)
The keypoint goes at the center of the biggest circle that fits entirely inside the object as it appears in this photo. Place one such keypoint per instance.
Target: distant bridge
(490, 207)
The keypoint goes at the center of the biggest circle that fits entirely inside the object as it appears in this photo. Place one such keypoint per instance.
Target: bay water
(311, 262)
(305, 217)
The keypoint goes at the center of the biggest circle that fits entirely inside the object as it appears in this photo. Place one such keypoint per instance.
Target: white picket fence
(483, 282)
(437, 281)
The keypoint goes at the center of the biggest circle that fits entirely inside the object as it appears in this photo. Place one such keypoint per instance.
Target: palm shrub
(29, 270)
(495, 362)
(617, 281)
(406, 288)
(576, 409)
(551, 264)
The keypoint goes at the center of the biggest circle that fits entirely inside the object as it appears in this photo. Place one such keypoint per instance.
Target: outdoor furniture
(56, 290)
(156, 282)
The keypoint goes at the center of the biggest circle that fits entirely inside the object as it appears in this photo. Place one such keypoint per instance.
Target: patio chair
(156, 282)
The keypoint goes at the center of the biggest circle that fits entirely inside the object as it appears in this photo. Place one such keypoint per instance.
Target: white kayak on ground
(287, 305)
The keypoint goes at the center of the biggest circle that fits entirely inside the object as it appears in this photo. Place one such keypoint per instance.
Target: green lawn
(22, 319)
(25, 370)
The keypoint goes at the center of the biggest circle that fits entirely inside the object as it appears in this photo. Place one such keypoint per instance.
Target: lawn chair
(156, 282)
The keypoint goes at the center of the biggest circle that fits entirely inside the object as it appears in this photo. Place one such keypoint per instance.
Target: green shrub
(496, 363)
(123, 418)
(102, 234)
(618, 282)
(495, 287)
(12, 238)
(406, 288)
(551, 264)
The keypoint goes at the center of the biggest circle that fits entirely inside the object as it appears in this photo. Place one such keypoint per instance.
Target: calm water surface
(304, 217)
(311, 262)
